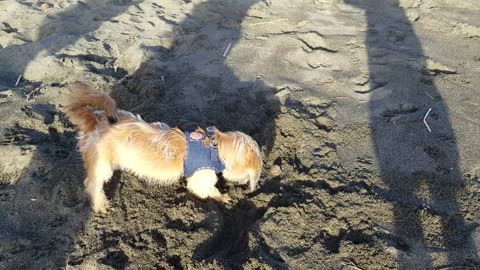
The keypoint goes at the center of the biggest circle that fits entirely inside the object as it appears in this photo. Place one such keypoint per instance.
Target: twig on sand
(425, 121)
(31, 93)
(18, 80)
(274, 21)
(227, 49)
(428, 95)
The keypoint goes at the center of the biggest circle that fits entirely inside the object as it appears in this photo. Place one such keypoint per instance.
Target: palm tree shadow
(408, 156)
(191, 84)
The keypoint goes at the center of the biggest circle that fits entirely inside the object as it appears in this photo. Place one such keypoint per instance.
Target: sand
(334, 91)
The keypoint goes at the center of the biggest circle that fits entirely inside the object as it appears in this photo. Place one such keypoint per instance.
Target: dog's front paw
(101, 207)
(223, 199)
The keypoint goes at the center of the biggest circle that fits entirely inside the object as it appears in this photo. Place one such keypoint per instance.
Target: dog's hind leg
(99, 171)
(202, 184)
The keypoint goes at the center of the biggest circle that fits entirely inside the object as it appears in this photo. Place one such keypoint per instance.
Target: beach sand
(357, 175)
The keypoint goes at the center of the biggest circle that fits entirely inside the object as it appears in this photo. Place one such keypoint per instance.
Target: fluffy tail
(77, 106)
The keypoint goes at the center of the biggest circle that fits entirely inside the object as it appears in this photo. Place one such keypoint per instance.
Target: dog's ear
(217, 132)
(218, 135)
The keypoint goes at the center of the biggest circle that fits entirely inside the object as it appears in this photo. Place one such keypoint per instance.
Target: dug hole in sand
(335, 91)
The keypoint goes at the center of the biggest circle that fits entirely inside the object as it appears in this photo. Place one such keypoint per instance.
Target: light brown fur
(241, 156)
(114, 139)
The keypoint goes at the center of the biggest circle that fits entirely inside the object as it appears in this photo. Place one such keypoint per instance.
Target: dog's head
(239, 153)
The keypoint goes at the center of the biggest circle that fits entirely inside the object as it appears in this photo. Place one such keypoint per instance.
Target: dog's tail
(77, 107)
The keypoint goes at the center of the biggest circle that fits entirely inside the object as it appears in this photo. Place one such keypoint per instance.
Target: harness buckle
(211, 131)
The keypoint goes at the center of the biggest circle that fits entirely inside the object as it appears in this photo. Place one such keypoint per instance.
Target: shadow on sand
(412, 161)
(43, 213)
(191, 84)
(45, 210)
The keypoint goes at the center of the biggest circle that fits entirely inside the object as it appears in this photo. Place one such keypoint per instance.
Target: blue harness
(200, 157)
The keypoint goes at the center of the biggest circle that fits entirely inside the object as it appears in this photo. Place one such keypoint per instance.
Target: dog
(113, 139)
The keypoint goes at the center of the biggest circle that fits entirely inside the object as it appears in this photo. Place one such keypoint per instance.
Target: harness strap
(200, 156)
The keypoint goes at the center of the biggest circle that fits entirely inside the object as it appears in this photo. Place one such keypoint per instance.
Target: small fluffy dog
(111, 139)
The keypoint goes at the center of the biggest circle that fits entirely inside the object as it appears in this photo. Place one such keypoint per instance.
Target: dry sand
(334, 91)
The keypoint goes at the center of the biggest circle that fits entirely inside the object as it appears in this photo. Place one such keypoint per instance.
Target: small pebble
(276, 170)
(45, 6)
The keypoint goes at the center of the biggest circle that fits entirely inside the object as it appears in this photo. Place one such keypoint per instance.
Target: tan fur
(152, 151)
(241, 156)
(77, 110)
